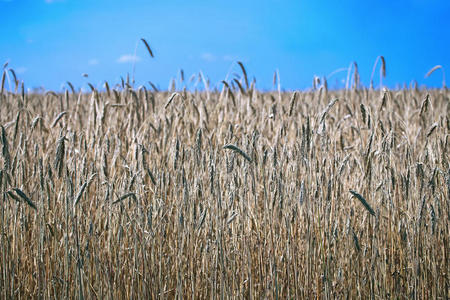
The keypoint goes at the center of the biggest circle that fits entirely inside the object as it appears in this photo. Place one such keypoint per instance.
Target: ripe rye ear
(58, 117)
(71, 87)
(383, 66)
(432, 128)
(3, 83)
(293, 98)
(148, 47)
(327, 109)
(238, 150)
(82, 189)
(59, 158)
(244, 72)
(363, 201)
(171, 99)
(382, 70)
(431, 71)
(25, 197)
(437, 67)
(5, 149)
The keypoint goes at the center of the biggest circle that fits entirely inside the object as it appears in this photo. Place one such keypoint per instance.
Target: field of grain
(134, 193)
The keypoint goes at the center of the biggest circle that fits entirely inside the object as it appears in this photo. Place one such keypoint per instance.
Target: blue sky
(49, 42)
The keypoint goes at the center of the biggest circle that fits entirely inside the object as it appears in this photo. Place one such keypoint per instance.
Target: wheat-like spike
(383, 66)
(3, 82)
(382, 69)
(243, 72)
(425, 104)
(128, 195)
(25, 197)
(59, 158)
(355, 240)
(91, 86)
(238, 150)
(14, 76)
(171, 99)
(5, 149)
(58, 117)
(153, 86)
(431, 71)
(147, 46)
(363, 112)
(230, 92)
(181, 75)
(240, 86)
(16, 127)
(327, 109)
(434, 69)
(66, 97)
(144, 163)
(293, 98)
(226, 84)
(82, 188)
(363, 201)
(356, 78)
(108, 90)
(432, 128)
(79, 194)
(71, 87)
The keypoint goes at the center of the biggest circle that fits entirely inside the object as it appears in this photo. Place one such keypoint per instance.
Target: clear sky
(49, 42)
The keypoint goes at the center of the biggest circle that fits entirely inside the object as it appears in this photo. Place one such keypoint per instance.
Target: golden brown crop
(232, 193)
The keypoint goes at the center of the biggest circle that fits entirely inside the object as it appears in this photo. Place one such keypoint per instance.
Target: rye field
(133, 193)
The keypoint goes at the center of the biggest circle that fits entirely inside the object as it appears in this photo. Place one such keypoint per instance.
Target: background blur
(50, 42)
